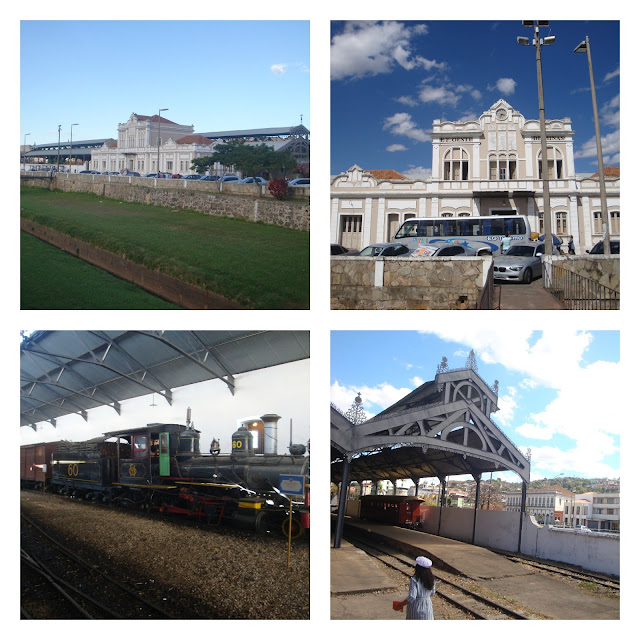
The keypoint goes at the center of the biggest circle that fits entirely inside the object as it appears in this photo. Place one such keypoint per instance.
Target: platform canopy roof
(442, 428)
(67, 372)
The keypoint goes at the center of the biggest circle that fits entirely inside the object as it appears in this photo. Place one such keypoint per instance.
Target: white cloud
(407, 100)
(372, 48)
(401, 124)
(506, 86)
(417, 173)
(374, 399)
(396, 147)
(612, 74)
(578, 414)
(417, 381)
(439, 95)
(278, 69)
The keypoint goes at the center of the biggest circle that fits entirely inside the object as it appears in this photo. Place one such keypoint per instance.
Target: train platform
(354, 572)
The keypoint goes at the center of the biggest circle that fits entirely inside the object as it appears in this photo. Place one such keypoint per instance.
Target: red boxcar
(33, 457)
(398, 510)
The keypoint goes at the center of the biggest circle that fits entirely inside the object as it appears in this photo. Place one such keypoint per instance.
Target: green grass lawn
(53, 279)
(260, 266)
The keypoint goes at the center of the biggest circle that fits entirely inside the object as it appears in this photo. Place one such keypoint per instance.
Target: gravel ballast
(195, 572)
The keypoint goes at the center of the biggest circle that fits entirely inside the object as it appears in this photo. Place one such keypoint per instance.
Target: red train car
(398, 510)
(35, 463)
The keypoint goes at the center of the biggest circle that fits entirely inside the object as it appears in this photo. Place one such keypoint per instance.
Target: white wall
(500, 530)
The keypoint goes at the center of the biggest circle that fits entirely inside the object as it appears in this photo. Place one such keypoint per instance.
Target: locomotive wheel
(296, 528)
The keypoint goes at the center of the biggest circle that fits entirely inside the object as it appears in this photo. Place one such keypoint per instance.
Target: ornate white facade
(489, 166)
(136, 148)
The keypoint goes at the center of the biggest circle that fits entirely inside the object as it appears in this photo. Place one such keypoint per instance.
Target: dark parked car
(192, 176)
(339, 250)
(598, 248)
(257, 180)
(300, 182)
(229, 179)
(387, 249)
(210, 178)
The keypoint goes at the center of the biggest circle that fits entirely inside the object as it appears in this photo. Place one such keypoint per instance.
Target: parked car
(156, 175)
(389, 249)
(339, 250)
(444, 249)
(210, 178)
(126, 172)
(300, 182)
(229, 179)
(521, 263)
(598, 248)
(257, 180)
(192, 176)
(176, 175)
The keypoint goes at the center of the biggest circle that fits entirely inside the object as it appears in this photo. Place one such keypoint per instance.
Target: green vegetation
(53, 279)
(253, 160)
(260, 266)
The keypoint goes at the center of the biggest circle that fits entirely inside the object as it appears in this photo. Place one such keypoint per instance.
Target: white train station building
(142, 140)
(489, 166)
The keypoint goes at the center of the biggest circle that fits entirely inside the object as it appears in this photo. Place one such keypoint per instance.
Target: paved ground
(362, 590)
(526, 296)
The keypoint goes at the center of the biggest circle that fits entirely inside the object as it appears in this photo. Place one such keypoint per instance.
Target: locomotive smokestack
(188, 416)
(270, 432)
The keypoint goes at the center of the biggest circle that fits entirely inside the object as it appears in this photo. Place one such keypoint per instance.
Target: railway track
(58, 583)
(469, 602)
(567, 572)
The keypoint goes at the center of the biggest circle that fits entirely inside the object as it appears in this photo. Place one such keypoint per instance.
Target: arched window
(503, 167)
(561, 222)
(456, 164)
(615, 221)
(554, 163)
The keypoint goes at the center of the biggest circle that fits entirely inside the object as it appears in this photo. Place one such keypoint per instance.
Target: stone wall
(603, 269)
(408, 283)
(248, 201)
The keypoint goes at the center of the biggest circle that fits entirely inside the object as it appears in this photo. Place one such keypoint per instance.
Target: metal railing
(578, 292)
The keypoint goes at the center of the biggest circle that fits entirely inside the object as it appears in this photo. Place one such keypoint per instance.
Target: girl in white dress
(422, 587)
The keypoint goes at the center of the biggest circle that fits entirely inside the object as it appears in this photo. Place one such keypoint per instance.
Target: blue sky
(216, 75)
(390, 80)
(550, 386)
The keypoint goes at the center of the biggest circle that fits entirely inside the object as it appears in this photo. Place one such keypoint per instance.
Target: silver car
(386, 249)
(445, 249)
(522, 263)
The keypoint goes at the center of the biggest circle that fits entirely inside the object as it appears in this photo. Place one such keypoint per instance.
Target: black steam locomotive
(160, 467)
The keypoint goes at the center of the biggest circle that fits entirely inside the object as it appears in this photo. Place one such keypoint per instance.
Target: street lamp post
(75, 124)
(544, 173)
(604, 213)
(58, 164)
(158, 166)
(24, 150)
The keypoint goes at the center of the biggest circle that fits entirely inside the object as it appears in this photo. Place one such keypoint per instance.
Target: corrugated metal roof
(65, 372)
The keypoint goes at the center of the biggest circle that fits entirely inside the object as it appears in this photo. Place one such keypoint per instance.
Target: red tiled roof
(154, 119)
(609, 172)
(194, 138)
(386, 174)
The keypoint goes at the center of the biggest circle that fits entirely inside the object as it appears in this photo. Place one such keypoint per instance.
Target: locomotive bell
(270, 432)
(242, 441)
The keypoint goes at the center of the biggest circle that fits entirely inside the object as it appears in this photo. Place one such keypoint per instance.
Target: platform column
(342, 505)
(443, 491)
(478, 480)
(523, 503)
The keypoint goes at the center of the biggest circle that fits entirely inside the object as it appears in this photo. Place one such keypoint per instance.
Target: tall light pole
(24, 150)
(158, 167)
(58, 165)
(75, 124)
(604, 212)
(544, 173)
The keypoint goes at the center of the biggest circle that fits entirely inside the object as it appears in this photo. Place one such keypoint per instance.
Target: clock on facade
(501, 114)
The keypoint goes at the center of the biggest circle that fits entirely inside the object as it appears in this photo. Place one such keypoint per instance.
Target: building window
(554, 164)
(169, 165)
(456, 164)
(597, 222)
(615, 221)
(502, 167)
(561, 222)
